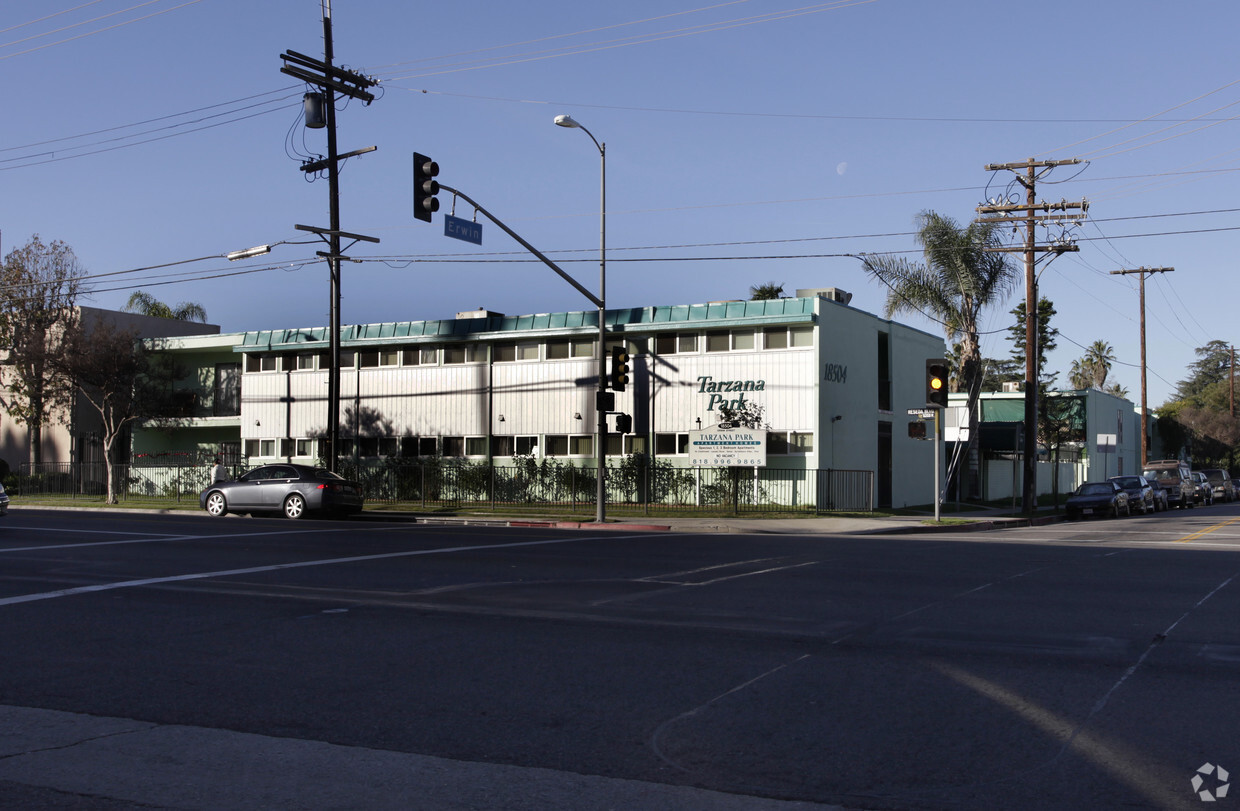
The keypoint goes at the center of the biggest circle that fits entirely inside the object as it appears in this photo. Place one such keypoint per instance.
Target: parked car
(1140, 493)
(1220, 483)
(1205, 492)
(294, 490)
(1173, 476)
(1160, 497)
(4, 502)
(1097, 498)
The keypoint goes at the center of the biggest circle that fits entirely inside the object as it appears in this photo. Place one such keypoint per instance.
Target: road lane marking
(1207, 530)
(166, 538)
(181, 578)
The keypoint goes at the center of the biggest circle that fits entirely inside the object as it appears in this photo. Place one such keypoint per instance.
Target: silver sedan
(294, 490)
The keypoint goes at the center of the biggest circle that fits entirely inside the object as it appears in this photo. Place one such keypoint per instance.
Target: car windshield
(1215, 475)
(1161, 473)
(1095, 490)
(1128, 481)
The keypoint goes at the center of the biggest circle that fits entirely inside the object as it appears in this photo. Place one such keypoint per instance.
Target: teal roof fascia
(722, 314)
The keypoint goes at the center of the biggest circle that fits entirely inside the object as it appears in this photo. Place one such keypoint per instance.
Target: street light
(601, 438)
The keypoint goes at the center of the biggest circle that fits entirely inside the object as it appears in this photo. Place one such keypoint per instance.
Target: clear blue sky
(771, 141)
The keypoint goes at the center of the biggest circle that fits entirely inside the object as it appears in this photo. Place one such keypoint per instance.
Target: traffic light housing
(425, 187)
(936, 382)
(916, 430)
(624, 424)
(619, 367)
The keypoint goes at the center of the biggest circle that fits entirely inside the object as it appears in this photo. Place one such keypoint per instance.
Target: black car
(1141, 494)
(1097, 498)
(294, 490)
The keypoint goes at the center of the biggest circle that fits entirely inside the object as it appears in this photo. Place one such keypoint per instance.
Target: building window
(512, 352)
(227, 400)
(789, 442)
(261, 363)
(729, 340)
(305, 448)
(476, 446)
(581, 445)
(671, 444)
(347, 359)
(414, 446)
(557, 445)
(634, 444)
(561, 350)
(368, 360)
(672, 343)
(287, 446)
(307, 361)
(389, 357)
(786, 337)
(514, 445)
(460, 353)
(454, 446)
(884, 372)
(615, 445)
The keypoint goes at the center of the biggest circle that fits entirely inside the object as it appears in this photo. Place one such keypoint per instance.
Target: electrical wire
(97, 31)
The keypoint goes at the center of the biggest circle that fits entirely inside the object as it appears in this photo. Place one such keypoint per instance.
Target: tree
(1212, 367)
(961, 277)
(41, 283)
(1061, 421)
(119, 376)
(144, 303)
(1045, 337)
(765, 292)
(1091, 370)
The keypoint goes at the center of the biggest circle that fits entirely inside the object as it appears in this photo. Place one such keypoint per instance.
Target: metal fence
(438, 483)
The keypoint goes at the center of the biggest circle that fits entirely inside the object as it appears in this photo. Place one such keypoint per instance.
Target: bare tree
(40, 283)
(119, 376)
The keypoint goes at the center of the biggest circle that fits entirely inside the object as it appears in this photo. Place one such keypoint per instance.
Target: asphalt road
(187, 662)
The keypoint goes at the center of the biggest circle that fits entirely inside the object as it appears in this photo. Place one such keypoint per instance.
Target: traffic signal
(425, 187)
(624, 424)
(916, 430)
(936, 382)
(619, 367)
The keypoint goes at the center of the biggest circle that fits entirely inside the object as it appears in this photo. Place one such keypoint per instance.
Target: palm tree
(764, 292)
(144, 303)
(961, 277)
(1091, 371)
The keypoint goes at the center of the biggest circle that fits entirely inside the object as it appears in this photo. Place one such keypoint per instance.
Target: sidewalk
(974, 521)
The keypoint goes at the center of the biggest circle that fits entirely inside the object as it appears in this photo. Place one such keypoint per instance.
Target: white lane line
(180, 578)
(166, 538)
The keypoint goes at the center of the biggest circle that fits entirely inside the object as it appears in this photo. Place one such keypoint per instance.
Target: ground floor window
(783, 442)
(671, 444)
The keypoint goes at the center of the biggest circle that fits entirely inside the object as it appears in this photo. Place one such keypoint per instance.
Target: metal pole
(601, 512)
(937, 437)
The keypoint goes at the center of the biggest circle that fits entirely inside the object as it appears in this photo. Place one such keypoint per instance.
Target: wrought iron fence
(634, 484)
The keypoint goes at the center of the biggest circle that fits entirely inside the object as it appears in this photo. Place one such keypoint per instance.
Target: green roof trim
(720, 314)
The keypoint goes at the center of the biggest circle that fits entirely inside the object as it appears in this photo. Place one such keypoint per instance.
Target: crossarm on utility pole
(595, 300)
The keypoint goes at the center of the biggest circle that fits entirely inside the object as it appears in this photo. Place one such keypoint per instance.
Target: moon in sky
(841, 168)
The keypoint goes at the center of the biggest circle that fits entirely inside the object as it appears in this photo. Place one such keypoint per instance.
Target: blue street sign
(465, 230)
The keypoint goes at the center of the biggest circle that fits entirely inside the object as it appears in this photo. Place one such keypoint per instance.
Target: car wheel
(295, 506)
(217, 505)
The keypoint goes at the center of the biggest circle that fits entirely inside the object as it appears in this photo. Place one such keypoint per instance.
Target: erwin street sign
(465, 230)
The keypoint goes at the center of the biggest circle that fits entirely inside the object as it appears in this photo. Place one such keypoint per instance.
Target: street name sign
(464, 230)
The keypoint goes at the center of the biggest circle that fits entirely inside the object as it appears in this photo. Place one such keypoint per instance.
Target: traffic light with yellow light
(619, 367)
(936, 382)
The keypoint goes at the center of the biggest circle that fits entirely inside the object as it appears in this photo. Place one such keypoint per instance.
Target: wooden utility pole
(1028, 214)
(332, 80)
(1145, 428)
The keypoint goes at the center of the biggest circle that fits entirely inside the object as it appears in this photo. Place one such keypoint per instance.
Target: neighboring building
(994, 470)
(834, 383)
(75, 436)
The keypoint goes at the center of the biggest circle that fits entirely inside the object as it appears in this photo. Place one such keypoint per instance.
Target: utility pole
(1145, 435)
(1028, 214)
(332, 80)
